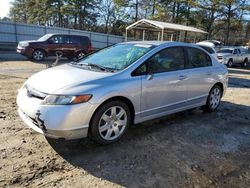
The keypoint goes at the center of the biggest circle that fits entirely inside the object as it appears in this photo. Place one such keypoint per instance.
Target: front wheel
(230, 63)
(110, 122)
(214, 98)
(38, 55)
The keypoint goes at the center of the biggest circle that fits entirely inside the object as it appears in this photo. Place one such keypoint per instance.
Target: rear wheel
(80, 55)
(110, 122)
(230, 63)
(214, 98)
(244, 64)
(38, 55)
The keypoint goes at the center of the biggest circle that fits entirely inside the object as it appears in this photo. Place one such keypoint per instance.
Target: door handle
(182, 77)
(149, 76)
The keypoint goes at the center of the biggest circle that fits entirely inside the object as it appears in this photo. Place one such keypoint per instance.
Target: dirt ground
(188, 149)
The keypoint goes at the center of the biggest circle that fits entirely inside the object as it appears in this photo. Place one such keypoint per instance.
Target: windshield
(228, 51)
(45, 37)
(117, 57)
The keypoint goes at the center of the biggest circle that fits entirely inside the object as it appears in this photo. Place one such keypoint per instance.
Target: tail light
(89, 47)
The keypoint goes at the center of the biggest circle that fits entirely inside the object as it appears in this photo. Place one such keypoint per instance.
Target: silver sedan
(102, 94)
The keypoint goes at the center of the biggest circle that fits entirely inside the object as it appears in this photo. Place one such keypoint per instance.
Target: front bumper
(26, 51)
(55, 121)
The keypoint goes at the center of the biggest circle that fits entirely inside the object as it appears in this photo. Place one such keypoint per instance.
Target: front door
(162, 87)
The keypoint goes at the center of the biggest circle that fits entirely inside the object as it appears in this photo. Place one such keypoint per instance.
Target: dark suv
(70, 46)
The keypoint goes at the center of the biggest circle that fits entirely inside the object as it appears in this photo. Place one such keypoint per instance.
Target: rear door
(200, 75)
(162, 88)
(241, 56)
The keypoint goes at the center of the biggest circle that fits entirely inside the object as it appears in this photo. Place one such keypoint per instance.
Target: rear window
(209, 50)
(197, 58)
(79, 40)
(228, 51)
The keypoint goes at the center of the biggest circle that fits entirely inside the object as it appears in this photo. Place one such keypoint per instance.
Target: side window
(197, 58)
(170, 59)
(59, 39)
(235, 51)
(239, 52)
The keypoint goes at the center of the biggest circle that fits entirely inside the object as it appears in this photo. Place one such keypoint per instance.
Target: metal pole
(143, 35)
(126, 35)
(162, 33)
(171, 38)
(159, 34)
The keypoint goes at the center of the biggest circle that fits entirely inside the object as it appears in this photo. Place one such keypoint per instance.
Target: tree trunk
(153, 10)
(136, 10)
(228, 23)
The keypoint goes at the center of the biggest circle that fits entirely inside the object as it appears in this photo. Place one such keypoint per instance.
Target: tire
(38, 55)
(80, 55)
(230, 63)
(106, 126)
(244, 64)
(213, 99)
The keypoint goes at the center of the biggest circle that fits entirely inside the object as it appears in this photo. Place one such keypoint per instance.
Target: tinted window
(197, 58)
(79, 40)
(170, 59)
(59, 39)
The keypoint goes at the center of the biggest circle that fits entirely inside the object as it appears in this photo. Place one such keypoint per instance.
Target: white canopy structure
(160, 27)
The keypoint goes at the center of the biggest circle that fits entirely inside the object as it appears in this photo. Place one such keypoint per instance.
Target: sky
(4, 7)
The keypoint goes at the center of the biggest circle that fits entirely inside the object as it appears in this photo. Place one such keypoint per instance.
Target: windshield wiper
(99, 67)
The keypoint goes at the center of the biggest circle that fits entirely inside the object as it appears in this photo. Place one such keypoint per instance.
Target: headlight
(66, 99)
(24, 44)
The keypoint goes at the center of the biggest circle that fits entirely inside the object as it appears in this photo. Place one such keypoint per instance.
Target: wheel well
(246, 59)
(220, 85)
(123, 99)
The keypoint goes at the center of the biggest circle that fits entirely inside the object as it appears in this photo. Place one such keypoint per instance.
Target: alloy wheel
(38, 55)
(215, 97)
(112, 123)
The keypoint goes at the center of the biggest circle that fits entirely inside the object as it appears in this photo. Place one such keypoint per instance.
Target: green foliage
(220, 18)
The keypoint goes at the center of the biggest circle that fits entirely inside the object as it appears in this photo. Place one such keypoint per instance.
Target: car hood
(55, 79)
(27, 41)
(223, 54)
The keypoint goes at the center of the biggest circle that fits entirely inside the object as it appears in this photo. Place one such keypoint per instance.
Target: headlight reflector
(66, 99)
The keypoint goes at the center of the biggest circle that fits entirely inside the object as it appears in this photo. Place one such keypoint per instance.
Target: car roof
(158, 43)
(78, 35)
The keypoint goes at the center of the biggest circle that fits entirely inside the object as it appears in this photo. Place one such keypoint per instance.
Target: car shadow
(158, 152)
(239, 77)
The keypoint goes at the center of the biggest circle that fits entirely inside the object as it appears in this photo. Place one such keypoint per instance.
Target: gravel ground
(188, 149)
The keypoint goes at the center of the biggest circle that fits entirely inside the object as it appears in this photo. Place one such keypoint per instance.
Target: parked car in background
(232, 56)
(70, 46)
(211, 43)
(102, 94)
(209, 49)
